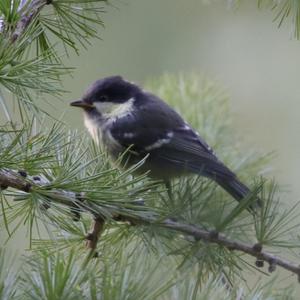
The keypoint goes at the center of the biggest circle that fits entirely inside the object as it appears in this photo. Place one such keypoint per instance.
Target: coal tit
(121, 116)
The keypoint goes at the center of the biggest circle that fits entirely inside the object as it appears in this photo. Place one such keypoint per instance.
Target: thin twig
(12, 179)
(9, 178)
(31, 11)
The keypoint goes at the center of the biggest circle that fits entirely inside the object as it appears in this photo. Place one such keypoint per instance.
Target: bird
(125, 119)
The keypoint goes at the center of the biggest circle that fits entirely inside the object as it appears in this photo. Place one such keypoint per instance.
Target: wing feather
(183, 148)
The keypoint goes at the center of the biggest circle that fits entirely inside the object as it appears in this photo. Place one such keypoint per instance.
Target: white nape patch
(114, 111)
(92, 128)
(160, 142)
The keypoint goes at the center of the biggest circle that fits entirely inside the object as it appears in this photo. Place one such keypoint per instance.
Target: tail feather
(238, 191)
(234, 187)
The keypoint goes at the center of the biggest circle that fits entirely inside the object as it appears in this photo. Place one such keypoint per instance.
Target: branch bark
(10, 178)
(93, 237)
(30, 11)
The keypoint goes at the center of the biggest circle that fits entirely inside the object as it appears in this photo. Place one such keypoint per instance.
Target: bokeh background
(241, 47)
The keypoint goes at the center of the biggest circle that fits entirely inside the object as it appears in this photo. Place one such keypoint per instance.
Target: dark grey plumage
(151, 128)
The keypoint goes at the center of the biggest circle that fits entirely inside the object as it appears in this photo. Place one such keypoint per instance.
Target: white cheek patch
(104, 107)
(109, 112)
(160, 142)
(114, 110)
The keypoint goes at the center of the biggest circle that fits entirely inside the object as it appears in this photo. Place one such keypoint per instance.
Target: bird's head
(108, 96)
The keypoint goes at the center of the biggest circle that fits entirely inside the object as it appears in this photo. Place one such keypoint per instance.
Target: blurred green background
(257, 63)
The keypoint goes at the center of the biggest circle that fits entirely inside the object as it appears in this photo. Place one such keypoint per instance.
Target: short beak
(82, 104)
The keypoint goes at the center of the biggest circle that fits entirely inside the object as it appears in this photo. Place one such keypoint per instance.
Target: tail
(237, 190)
(234, 187)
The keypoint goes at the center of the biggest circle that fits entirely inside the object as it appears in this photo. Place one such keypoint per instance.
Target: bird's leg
(169, 188)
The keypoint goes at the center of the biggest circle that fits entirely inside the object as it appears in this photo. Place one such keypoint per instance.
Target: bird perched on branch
(121, 116)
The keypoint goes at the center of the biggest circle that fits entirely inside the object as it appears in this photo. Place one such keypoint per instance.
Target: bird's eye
(103, 98)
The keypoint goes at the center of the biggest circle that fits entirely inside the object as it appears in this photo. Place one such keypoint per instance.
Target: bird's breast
(100, 131)
(93, 127)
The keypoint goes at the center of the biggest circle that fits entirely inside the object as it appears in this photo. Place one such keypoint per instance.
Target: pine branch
(28, 15)
(27, 25)
(20, 181)
(9, 179)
